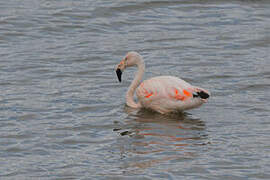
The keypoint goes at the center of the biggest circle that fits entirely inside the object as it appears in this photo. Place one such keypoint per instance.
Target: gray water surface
(63, 113)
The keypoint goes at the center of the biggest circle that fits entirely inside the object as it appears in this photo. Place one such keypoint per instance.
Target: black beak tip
(119, 74)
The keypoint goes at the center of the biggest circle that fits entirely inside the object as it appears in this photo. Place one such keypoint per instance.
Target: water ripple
(63, 112)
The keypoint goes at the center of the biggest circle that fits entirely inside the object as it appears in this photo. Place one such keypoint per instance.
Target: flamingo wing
(168, 93)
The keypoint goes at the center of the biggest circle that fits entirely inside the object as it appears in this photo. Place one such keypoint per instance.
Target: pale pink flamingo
(163, 94)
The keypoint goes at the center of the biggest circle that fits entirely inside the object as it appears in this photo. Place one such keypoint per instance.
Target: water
(63, 113)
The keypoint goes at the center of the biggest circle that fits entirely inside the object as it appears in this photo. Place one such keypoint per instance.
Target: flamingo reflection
(148, 138)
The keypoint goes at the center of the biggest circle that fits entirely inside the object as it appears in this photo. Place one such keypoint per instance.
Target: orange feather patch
(182, 96)
(149, 95)
(187, 93)
(178, 96)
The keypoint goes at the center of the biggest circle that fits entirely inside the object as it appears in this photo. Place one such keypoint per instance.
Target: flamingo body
(163, 94)
(168, 94)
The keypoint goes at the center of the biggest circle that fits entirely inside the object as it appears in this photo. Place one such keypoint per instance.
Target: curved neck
(135, 83)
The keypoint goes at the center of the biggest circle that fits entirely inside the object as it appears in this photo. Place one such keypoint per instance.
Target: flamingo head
(131, 59)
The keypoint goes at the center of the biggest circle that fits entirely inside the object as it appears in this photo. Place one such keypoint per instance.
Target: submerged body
(163, 94)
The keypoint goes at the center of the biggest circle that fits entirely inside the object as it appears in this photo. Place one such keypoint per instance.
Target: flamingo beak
(120, 69)
(119, 74)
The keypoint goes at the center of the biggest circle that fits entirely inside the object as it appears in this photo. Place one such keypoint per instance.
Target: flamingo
(163, 94)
